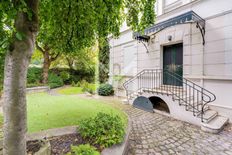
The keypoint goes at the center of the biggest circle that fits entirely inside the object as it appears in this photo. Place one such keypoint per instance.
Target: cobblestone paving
(154, 134)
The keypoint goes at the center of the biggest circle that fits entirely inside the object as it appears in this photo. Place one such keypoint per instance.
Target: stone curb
(120, 149)
(52, 133)
(38, 89)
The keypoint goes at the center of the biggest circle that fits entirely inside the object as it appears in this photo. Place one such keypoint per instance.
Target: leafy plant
(55, 81)
(84, 84)
(73, 84)
(103, 129)
(78, 84)
(105, 90)
(83, 150)
(87, 87)
(65, 76)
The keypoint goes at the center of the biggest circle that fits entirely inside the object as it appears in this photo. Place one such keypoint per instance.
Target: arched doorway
(159, 104)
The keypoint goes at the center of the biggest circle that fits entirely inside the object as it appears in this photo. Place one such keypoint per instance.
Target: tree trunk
(46, 66)
(16, 64)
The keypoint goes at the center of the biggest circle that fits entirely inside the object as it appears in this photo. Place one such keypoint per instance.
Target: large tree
(75, 25)
(49, 55)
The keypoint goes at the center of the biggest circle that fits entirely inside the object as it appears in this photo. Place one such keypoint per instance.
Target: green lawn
(46, 111)
(70, 90)
(74, 90)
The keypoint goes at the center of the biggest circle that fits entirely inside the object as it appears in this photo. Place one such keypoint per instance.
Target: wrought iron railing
(194, 97)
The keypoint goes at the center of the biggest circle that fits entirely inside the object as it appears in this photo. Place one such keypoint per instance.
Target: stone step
(190, 108)
(215, 125)
(125, 101)
(208, 115)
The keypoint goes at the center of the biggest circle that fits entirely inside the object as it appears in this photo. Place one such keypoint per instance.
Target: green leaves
(69, 26)
(83, 150)
(104, 129)
(105, 90)
(140, 14)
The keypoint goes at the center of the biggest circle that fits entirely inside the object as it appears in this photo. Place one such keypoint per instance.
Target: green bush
(103, 129)
(65, 76)
(105, 90)
(34, 75)
(83, 150)
(55, 81)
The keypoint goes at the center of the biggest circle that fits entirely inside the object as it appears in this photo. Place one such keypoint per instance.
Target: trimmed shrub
(55, 81)
(83, 150)
(105, 90)
(103, 129)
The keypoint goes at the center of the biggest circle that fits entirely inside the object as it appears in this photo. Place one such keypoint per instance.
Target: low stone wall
(45, 149)
(38, 89)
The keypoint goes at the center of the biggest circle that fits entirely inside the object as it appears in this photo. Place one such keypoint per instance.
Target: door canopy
(188, 17)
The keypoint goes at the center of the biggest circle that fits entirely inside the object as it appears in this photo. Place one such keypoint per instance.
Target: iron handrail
(214, 96)
(148, 81)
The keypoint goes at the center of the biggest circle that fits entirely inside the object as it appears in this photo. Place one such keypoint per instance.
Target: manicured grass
(70, 90)
(74, 90)
(46, 111)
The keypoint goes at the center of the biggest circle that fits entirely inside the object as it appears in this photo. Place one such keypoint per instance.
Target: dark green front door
(173, 63)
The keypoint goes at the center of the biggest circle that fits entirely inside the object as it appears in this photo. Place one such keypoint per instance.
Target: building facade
(201, 53)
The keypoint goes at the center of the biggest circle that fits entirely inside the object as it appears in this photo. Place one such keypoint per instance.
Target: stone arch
(159, 104)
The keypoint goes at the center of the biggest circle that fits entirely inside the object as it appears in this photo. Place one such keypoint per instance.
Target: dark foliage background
(58, 76)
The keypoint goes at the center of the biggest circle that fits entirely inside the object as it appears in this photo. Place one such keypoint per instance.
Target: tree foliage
(103, 58)
(71, 26)
(9, 10)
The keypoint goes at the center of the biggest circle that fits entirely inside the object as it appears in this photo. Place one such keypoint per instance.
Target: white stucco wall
(209, 66)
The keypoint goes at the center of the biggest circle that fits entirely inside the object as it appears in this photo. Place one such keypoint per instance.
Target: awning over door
(188, 17)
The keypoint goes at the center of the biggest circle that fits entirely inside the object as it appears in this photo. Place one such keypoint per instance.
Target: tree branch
(39, 48)
(55, 57)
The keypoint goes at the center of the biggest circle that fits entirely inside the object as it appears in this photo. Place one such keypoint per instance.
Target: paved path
(154, 134)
